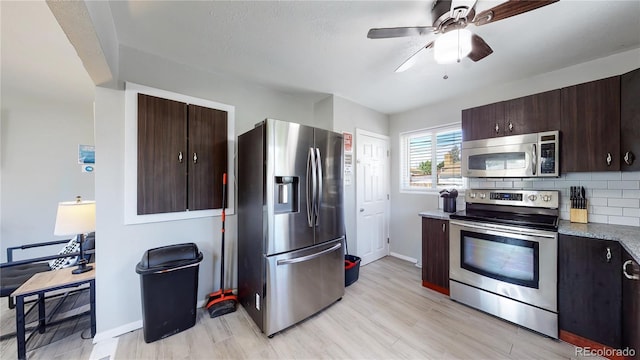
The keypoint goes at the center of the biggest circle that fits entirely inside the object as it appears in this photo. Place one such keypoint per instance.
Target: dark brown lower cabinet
(590, 291)
(435, 254)
(631, 304)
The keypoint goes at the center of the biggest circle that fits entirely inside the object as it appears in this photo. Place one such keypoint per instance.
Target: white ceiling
(37, 58)
(321, 46)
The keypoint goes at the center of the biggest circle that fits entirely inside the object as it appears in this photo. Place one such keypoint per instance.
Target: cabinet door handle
(180, 157)
(609, 159)
(626, 274)
(444, 227)
(497, 128)
(608, 254)
(628, 158)
(510, 126)
(195, 158)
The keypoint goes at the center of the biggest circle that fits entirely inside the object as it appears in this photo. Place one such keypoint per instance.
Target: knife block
(578, 215)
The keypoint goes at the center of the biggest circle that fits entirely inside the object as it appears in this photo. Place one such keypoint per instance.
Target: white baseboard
(105, 349)
(115, 332)
(406, 258)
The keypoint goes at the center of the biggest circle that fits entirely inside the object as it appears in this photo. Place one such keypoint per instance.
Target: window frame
(404, 186)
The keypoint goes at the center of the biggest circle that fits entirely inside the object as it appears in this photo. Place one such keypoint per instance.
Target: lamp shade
(75, 217)
(452, 46)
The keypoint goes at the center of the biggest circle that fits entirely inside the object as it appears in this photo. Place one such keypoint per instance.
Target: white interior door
(372, 195)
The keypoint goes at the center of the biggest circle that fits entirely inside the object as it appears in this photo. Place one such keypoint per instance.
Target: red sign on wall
(348, 142)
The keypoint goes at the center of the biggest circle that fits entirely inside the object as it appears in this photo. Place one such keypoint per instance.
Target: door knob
(361, 210)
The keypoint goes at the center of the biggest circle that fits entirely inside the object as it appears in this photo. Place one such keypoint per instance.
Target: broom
(222, 301)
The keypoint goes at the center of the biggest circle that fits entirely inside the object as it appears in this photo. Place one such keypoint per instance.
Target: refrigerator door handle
(314, 188)
(309, 257)
(308, 193)
(319, 189)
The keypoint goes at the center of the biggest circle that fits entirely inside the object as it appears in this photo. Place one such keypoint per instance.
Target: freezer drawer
(301, 283)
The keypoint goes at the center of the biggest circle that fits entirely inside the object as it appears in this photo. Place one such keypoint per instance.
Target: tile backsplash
(613, 197)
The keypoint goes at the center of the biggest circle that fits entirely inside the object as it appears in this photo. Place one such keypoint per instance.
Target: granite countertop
(627, 236)
(435, 214)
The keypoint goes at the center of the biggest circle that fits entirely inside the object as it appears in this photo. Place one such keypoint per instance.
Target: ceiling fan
(450, 19)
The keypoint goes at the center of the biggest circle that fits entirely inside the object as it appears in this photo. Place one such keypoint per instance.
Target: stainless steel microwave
(529, 155)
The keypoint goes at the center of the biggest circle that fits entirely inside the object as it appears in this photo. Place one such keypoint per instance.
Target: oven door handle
(545, 234)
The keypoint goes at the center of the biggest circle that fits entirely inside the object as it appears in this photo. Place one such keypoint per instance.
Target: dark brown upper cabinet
(630, 121)
(182, 154)
(590, 126)
(208, 152)
(483, 122)
(533, 113)
(528, 114)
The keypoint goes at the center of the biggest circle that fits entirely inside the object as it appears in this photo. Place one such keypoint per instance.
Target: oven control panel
(505, 196)
(530, 198)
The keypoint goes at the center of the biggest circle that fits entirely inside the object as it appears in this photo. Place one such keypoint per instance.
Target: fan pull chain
(458, 52)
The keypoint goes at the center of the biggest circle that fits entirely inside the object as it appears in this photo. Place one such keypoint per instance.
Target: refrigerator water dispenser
(286, 194)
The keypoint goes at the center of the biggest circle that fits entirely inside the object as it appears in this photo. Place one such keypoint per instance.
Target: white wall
(347, 117)
(405, 222)
(119, 247)
(46, 111)
(39, 162)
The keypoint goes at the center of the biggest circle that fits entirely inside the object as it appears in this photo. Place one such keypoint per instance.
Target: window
(430, 159)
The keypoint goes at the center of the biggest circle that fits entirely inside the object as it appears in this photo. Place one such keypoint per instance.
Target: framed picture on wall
(86, 154)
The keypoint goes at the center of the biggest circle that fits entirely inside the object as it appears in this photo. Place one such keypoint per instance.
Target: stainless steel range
(504, 254)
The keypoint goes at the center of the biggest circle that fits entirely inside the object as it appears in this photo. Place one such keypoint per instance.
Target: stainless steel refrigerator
(290, 222)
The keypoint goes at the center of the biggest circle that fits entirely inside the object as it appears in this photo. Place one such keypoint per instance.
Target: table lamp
(76, 218)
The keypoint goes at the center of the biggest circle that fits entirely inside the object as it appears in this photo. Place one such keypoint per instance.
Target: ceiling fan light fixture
(452, 46)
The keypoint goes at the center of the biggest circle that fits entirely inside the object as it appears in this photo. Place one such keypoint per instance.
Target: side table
(42, 283)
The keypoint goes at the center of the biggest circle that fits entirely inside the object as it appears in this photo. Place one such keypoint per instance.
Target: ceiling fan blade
(509, 9)
(412, 59)
(479, 48)
(383, 33)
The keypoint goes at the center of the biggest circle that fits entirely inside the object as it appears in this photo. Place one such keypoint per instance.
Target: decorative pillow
(73, 246)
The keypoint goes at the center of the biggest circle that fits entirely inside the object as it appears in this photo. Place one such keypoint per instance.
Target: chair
(15, 273)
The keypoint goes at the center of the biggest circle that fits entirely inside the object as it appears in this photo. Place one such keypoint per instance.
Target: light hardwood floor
(60, 341)
(386, 314)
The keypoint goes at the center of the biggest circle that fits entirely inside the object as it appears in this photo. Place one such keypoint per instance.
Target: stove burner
(535, 221)
(521, 208)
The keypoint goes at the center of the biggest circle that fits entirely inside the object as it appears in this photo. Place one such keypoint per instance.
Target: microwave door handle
(534, 160)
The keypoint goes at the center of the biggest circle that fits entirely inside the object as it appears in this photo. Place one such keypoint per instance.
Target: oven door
(520, 264)
(508, 160)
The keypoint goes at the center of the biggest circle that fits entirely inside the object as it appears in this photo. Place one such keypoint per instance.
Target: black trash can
(169, 288)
